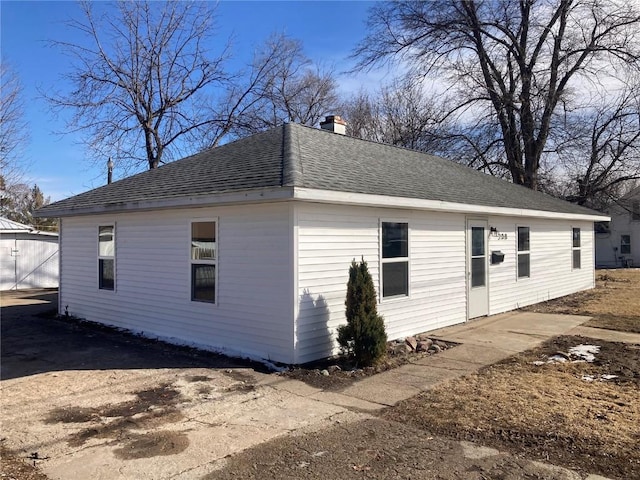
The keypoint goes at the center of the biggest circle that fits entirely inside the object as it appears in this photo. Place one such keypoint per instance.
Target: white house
(246, 247)
(28, 258)
(618, 241)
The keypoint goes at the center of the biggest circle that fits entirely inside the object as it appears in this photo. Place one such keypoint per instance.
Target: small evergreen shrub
(364, 336)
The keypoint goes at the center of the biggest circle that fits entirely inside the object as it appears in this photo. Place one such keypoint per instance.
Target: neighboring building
(28, 258)
(246, 247)
(618, 241)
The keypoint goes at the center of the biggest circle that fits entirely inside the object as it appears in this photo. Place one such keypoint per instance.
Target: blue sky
(328, 29)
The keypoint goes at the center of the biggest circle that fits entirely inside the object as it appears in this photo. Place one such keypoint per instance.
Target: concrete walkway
(604, 334)
(482, 342)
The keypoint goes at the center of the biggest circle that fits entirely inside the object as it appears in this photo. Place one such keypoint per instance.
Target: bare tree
(288, 88)
(511, 63)
(599, 150)
(140, 78)
(401, 113)
(14, 133)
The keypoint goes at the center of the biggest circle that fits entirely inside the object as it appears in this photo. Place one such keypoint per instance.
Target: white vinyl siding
(283, 270)
(551, 273)
(254, 312)
(330, 237)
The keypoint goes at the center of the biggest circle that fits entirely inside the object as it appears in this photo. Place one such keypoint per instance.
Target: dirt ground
(495, 424)
(614, 303)
(380, 449)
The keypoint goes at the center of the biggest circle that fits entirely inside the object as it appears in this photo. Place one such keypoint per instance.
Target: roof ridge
(374, 142)
(292, 175)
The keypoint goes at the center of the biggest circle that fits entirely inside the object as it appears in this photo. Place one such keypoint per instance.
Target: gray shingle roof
(297, 156)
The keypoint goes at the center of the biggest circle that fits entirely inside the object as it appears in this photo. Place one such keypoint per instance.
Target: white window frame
(214, 262)
(574, 249)
(522, 252)
(106, 257)
(628, 244)
(383, 261)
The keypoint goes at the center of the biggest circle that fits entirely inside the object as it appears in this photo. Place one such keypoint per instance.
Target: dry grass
(550, 412)
(547, 411)
(614, 303)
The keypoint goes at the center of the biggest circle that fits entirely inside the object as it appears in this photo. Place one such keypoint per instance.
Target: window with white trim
(395, 259)
(204, 261)
(524, 253)
(575, 249)
(106, 257)
(625, 244)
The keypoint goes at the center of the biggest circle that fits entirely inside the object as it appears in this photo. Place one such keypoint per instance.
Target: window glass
(576, 237)
(477, 241)
(106, 244)
(576, 259)
(106, 274)
(203, 240)
(478, 272)
(395, 240)
(523, 239)
(203, 284)
(625, 244)
(396, 279)
(523, 265)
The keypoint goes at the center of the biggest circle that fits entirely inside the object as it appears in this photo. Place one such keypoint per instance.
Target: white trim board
(325, 196)
(279, 194)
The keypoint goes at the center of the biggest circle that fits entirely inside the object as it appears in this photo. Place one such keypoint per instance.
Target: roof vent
(334, 124)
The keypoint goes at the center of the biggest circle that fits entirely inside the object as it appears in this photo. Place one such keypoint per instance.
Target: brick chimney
(334, 124)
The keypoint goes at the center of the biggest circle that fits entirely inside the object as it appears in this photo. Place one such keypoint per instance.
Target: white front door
(477, 284)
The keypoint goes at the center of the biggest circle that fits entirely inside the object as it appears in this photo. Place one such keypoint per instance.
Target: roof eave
(362, 199)
(227, 198)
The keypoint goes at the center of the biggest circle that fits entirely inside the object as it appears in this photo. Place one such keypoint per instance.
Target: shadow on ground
(34, 341)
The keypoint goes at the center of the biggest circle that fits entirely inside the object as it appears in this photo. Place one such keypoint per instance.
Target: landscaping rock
(424, 345)
(325, 372)
(400, 349)
(412, 342)
(333, 368)
(435, 348)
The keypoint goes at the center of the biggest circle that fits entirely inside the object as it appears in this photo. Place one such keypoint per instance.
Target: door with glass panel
(477, 278)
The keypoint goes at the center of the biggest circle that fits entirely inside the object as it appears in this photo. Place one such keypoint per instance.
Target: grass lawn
(614, 303)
